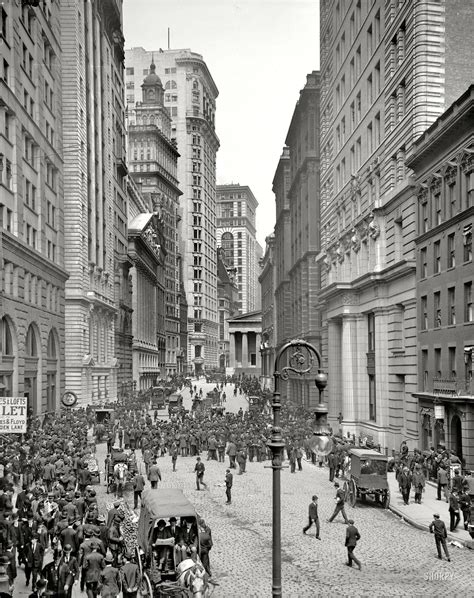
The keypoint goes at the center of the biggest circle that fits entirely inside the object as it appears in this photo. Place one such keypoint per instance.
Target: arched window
(51, 346)
(152, 119)
(227, 242)
(195, 84)
(31, 348)
(6, 342)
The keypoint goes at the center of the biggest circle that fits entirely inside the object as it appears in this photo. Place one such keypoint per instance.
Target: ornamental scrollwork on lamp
(301, 361)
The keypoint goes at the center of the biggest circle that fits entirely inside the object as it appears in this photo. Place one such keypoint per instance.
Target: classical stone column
(231, 350)
(245, 350)
(349, 375)
(258, 355)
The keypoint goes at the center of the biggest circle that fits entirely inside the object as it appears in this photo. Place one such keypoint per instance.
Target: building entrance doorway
(456, 435)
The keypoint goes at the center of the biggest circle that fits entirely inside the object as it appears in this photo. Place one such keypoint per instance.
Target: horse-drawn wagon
(169, 546)
(367, 476)
(122, 469)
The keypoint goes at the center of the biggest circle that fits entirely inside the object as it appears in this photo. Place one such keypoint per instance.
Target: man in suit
(93, 565)
(69, 570)
(138, 487)
(154, 474)
(110, 582)
(313, 516)
(130, 574)
(352, 536)
(33, 557)
(51, 572)
(332, 466)
(69, 536)
(439, 529)
(229, 478)
(340, 499)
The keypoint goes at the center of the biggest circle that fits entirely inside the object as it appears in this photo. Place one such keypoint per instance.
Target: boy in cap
(438, 528)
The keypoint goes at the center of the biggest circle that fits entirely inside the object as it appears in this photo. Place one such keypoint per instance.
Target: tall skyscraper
(98, 298)
(31, 206)
(236, 235)
(190, 96)
(388, 69)
(153, 160)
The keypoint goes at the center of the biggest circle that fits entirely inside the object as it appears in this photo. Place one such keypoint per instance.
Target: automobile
(366, 475)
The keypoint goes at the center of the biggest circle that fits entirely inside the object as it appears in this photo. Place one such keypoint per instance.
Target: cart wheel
(352, 493)
(386, 499)
(345, 488)
(146, 589)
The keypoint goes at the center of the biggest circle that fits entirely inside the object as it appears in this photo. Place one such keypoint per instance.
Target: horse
(120, 475)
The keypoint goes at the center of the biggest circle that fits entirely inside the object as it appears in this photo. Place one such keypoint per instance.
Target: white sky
(258, 53)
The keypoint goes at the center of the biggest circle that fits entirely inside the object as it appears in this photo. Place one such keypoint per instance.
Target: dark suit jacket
(313, 511)
(110, 582)
(352, 535)
(69, 571)
(34, 558)
(130, 576)
(93, 564)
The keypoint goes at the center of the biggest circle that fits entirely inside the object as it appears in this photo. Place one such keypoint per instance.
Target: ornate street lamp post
(301, 361)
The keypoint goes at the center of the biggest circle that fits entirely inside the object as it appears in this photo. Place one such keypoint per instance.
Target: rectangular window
(467, 243)
(437, 257)
(452, 199)
(452, 362)
(437, 362)
(370, 332)
(424, 313)
(424, 368)
(130, 70)
(437, 309)
(451, 251)
(438, 214)
(452, 305)
(423, 262)
(372, 398)
(468, 315)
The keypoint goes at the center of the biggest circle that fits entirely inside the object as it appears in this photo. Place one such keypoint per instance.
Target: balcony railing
(451, 387)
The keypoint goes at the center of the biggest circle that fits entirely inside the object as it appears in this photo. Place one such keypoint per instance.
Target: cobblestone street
(397, 559)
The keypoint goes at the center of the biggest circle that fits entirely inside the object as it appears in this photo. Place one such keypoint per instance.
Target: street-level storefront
(447, 422)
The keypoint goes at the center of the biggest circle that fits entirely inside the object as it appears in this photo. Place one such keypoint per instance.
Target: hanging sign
(439, 411)
(13, 412)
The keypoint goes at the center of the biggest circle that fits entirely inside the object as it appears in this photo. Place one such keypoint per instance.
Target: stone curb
(466, 543)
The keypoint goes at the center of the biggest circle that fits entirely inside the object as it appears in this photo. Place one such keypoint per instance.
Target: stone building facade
(384, 80)
(302, 141)
(443, 163)
(95, 197)
(267, 285)
(244, 345)
(228, 295)
(33, 276)
(190, 95)
(236, 235)
(153, 160)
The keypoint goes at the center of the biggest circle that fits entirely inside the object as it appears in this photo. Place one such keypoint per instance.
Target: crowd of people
(47, 501)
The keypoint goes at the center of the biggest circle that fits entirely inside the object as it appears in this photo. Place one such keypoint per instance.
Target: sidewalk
(421, 516)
